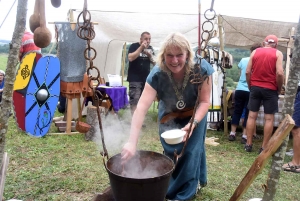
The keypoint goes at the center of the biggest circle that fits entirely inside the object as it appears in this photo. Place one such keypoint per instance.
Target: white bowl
(173, 136)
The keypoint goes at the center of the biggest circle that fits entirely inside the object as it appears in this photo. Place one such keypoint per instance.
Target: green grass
(67, 167)
(3, 61)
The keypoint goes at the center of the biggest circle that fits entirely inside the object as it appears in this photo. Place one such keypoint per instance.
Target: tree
(278, 157)
(12, 62)
(230, 83)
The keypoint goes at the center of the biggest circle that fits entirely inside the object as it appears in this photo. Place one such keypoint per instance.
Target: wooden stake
(4, 166)
(78, 106)
(278, 137)
(69, 115)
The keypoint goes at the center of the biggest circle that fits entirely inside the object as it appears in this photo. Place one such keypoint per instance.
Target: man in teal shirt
(241, 98)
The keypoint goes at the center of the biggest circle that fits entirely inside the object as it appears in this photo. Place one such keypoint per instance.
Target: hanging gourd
(42, 35)
(34, 20)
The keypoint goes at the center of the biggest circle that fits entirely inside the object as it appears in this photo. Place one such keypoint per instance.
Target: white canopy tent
(114, 28)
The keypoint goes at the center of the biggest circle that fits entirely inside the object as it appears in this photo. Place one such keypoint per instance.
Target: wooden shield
(23, 76)
(40, 96)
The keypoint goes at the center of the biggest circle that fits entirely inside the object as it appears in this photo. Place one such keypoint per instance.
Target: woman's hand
(186, 128)
(128, 152)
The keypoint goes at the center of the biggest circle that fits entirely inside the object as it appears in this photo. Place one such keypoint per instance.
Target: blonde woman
(170, 81)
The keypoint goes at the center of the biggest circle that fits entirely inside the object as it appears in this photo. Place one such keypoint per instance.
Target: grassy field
(3, 61)
(67, 167)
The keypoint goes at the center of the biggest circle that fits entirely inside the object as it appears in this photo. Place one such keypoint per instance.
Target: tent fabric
(114, 28)
(243, 32)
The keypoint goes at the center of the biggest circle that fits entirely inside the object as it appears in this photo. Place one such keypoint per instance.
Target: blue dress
(191, 167)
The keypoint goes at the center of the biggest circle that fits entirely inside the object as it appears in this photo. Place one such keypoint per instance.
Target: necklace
(179, 90)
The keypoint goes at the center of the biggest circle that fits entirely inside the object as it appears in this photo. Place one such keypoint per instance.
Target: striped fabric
(28, 44)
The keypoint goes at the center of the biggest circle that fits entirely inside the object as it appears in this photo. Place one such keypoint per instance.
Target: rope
(7, 13)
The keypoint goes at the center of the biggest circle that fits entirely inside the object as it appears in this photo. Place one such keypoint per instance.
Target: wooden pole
(220, 27)
(288, 52)
(123, 61)
(3, 171)
(79, 106)
(69, 115)
(276, 140)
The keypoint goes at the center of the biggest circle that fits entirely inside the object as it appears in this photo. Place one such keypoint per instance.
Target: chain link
(86, 32)
(206, 34)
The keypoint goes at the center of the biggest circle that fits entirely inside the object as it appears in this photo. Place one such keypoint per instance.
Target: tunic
(191, 167)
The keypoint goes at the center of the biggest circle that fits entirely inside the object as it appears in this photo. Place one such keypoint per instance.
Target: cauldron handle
(103, 159)
(198, 81)
(176, 156)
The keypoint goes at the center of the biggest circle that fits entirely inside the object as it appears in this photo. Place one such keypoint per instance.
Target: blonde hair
(176, 40)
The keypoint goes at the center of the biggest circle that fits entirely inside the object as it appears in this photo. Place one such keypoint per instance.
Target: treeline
(233, 74)
(4, 49)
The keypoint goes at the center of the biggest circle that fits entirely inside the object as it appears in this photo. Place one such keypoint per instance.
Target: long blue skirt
(191, 167)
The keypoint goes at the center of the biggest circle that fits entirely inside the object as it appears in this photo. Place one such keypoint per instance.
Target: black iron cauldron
(144, 178)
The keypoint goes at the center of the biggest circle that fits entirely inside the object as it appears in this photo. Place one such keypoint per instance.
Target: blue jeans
(241, 99)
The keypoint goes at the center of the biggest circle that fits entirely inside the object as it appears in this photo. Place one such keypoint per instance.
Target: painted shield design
(23, 76)
(41, 96)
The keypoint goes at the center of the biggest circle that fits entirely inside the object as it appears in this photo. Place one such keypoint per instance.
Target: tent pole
(288, 52)
(220, 27)
(123, 61)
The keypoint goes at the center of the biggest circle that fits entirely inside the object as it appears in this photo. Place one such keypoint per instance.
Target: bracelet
(195, 122)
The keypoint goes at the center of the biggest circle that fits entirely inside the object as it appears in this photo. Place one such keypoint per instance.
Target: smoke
(115, 130)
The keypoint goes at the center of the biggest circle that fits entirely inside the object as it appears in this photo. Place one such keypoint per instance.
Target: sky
(287, 10)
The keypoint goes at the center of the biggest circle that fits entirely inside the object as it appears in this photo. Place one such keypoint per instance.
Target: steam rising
(116, 134)
(144, 165)
(115, 130)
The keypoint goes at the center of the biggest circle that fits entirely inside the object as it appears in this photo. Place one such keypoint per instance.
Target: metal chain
(86, 32)
(206, 34)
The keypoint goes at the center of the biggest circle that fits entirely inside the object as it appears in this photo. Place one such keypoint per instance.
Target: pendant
(180, 104)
